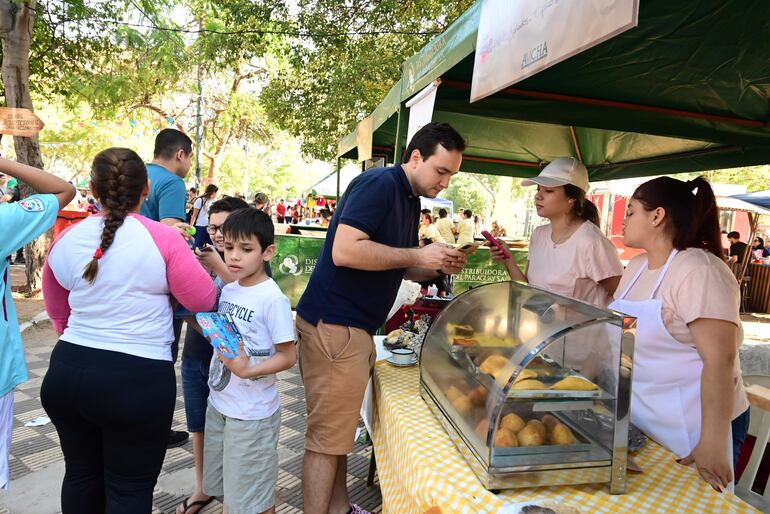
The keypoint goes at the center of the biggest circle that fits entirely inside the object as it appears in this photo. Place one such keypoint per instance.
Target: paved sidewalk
(37, 465)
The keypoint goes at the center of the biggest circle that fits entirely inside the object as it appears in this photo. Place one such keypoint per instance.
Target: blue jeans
(195, 389)
(740, 426)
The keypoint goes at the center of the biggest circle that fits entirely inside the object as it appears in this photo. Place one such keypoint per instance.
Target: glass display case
(532, 387)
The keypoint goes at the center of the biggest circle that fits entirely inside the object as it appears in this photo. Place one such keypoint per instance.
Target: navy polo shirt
(381, 203)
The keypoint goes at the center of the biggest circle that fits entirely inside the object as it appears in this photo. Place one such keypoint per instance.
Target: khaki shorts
(240, 461)
(336, 363)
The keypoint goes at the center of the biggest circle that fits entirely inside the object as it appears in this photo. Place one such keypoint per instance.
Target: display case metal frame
(589, 463)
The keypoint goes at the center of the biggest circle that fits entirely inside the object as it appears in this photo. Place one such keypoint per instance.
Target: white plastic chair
(758, 391)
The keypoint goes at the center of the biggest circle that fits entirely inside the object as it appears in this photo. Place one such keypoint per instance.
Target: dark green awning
(687, 90)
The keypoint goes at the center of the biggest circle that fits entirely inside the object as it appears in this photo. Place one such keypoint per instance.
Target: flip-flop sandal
(197, 503)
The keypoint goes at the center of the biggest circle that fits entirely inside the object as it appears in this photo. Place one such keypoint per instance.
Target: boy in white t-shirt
(240, 458)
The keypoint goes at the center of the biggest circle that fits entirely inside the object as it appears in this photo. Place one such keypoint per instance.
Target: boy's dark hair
(430, 136)
(227, 204)
(734, 235)
(442, 213)
(468, 213)
(249, 222)
(169, 141)
(424, 211)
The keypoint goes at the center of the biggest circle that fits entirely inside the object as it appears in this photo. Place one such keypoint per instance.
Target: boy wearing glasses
(197, 351)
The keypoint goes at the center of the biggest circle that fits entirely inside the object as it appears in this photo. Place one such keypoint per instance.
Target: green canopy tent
(686, 90)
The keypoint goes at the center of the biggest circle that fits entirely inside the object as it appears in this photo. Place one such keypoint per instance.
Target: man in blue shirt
(172, 159)
(371, 245)
(171, 162)
(20, 223)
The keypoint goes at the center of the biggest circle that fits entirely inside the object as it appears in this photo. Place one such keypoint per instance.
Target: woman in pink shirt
(687, 386)
(569, 256)
(109, 284)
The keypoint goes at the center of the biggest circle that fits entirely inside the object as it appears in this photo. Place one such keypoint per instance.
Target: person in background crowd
(687, 390)
(569, 256)
(428, 232)
(445, 226)
(310, 205)
(320, 202)
(192, 193)
(171, 162)
(200, 215)
(110, 389)
(5, 195)
(737, 247)
(20, 223)
(93, 207)
(758, 247)
(497, 230)
(197, 351)
(172, 159)
(262, 203)
(477, 228)
(369, 249)
(326, 217)
(280, 211)
(465, 228)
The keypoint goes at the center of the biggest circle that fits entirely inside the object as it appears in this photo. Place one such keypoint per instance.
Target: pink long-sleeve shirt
(128, 308)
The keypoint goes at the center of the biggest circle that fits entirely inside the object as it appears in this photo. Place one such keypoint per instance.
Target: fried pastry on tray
(492, 364)
(512, 422)
(561, 434)
(529, 384)
(574, 384)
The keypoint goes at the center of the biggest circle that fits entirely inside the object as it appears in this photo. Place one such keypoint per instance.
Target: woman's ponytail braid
(118, 177)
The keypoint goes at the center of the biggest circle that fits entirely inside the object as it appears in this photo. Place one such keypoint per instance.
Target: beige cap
(560, 172)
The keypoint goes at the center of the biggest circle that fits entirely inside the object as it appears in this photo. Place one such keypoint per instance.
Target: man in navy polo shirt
(371, 245)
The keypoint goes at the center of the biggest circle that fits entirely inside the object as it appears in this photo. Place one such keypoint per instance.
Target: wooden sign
(19, 122)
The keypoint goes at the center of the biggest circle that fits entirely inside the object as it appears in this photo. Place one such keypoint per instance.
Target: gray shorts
(240, 461)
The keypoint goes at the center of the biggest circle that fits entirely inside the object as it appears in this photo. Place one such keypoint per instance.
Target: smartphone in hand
(496, 244)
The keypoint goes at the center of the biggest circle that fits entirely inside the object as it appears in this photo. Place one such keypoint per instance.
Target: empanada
(574, 384)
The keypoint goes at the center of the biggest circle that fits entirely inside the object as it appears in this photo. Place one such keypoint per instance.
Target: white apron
(665, 393)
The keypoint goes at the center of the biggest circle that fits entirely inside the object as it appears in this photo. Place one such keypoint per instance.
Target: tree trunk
(17, 20)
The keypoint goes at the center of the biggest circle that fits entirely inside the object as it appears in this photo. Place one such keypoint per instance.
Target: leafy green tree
(350, 57)
(467, 192)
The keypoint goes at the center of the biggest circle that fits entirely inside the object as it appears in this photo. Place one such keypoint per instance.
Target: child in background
(20, 223)
(240, 458)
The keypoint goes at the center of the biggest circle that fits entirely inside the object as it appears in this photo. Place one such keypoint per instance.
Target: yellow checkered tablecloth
(420, 468)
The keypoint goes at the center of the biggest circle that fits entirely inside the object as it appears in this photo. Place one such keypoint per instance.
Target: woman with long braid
(109, 285)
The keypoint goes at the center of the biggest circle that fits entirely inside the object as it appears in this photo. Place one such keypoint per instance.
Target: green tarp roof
(687, 90)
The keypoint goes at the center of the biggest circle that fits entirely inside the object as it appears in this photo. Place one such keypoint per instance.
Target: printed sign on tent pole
(421, 109)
